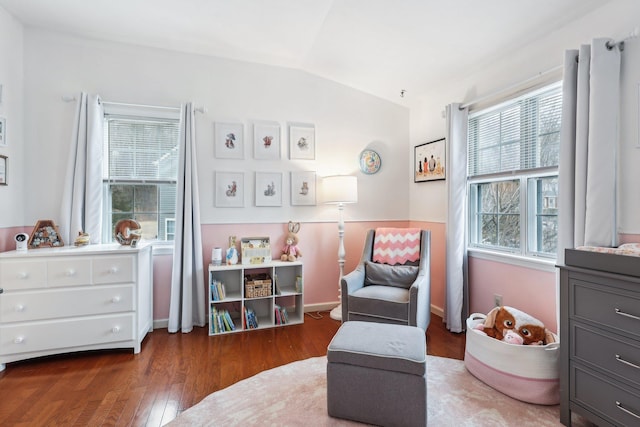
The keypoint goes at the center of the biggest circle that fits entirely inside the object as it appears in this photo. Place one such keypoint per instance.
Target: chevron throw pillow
(396, 245)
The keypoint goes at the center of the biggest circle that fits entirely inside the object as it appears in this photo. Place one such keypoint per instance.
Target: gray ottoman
(377, 374)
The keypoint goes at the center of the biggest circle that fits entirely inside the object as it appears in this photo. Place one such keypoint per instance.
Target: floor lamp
(340, 190)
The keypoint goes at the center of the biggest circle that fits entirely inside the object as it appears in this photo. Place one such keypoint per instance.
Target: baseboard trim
(327, 306)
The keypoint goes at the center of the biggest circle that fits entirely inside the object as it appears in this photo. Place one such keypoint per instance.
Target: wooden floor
(172, 373)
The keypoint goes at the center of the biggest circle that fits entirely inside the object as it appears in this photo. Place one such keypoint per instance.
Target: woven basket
(258, 285)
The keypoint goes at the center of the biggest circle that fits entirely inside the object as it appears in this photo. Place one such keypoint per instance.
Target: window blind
(141, 150)
(517, 135)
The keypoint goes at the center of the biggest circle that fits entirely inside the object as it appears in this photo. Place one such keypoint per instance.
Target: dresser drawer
(611, 353)
(606, 306)
(113, 269)
(68, 271)
(67, 334)
(59, 303)
(620, 405)
(16, 274)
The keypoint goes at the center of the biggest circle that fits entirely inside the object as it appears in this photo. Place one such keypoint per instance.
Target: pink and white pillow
(394, 246)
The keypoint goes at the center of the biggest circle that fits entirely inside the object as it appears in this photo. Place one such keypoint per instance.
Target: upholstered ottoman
(377, 374)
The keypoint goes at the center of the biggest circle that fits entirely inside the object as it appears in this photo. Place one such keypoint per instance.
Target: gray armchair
(399, 294)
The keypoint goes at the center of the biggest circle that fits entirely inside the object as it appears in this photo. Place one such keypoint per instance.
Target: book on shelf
(221, 321)
(251, 320)
(280, 314)
(218, 291)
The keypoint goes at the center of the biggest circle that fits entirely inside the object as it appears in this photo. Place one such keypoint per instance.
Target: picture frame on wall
(229, 189)
(302, 142)
(3, 170)
(3, 131)
(266, 141)
(229, 140)
(303, 188)
(268, 188)
(429, 161)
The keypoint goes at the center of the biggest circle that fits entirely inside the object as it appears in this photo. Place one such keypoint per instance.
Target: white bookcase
(286, 292)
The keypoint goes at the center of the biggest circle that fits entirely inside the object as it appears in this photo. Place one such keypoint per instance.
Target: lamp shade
(338, 189)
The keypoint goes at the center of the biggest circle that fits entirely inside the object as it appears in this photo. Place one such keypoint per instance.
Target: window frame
(526, 255)
(135, 113)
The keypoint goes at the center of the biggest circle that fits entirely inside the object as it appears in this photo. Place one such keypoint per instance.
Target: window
(513, 151)
(140, 173)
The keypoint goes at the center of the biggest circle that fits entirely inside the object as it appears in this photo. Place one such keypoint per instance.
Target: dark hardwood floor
(172, 373)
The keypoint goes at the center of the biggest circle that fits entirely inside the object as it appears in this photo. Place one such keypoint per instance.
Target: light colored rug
(295, 395)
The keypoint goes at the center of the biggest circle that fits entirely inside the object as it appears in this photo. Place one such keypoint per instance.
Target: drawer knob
(626, 362)
(113, 270)
(116, 299)
(622, 313)
(626, 411)
(18, 340)
(70, 272)
(19, 307)
(23, 275)
(115, 329)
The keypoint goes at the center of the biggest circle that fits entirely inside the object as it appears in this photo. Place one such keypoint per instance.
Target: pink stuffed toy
(290, 252)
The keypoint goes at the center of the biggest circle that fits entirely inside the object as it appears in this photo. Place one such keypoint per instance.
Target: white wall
(11, 107)
(346, 120)
(617, 19)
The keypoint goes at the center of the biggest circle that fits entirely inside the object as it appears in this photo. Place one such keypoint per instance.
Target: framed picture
(266, 141)
(302, 142)
(229, 189)
(303, 188)
(229, 140)
(3, 131)
(429, 161)
(268, 188)
(3, 170)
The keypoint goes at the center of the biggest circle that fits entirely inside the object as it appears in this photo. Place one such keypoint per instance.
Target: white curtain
(81, 207)
(456, 293)
(187, 304)
(588, 147)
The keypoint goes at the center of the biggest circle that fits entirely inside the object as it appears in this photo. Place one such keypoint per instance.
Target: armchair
(388, 293)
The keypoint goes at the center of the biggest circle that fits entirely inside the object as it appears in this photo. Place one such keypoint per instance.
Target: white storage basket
(525, 372)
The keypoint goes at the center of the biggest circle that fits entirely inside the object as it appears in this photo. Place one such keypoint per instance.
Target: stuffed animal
(513, 326)
(290, 252)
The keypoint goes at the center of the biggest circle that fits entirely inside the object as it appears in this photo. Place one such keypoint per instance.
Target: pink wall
(532, 291)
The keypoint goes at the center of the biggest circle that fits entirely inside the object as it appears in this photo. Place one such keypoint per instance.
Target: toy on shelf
(290, 252)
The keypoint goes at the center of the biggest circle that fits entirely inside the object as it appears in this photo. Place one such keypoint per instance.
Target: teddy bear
(513, 326)
(290, 252)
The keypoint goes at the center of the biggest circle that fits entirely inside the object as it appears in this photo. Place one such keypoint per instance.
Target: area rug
(295, 395)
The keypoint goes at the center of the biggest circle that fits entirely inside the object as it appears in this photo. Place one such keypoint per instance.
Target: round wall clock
(370, 162)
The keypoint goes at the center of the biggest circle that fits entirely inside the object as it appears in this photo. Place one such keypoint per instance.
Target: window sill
(542, 264)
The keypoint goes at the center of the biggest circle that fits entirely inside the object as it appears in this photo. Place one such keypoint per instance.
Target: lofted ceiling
(378, 46)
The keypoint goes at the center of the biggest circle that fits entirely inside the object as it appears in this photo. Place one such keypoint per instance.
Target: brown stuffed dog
(515, 327)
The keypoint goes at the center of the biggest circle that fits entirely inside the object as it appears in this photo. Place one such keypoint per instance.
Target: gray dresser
(600, 334)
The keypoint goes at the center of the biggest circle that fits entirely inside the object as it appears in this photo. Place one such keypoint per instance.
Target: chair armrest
(349, 284)
(420, 301)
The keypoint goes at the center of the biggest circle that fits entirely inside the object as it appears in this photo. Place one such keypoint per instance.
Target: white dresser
(70, 299)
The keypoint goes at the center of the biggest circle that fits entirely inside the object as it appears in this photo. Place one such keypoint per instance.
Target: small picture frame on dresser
(45, 234)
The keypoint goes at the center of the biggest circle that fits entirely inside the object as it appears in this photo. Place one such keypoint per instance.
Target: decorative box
(255, 250)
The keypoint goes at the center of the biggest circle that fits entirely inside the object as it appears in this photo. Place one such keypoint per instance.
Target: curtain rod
(69, 98)
(510, 88)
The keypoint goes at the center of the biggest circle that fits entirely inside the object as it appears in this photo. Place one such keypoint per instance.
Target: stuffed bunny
(290, 252)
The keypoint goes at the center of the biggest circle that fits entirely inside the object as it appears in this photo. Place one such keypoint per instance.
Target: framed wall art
(229, 188)
(302, 142)
(3, 170)
(3, 132)
(266, 141)
(268, 188)
(429, 161)
(303, 188)
(229, 140)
